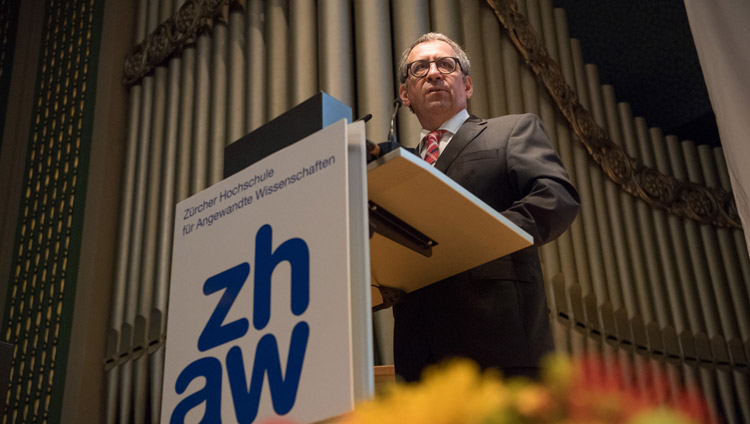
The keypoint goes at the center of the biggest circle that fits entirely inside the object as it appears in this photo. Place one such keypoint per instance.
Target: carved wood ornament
(193, 17)
(713, 206)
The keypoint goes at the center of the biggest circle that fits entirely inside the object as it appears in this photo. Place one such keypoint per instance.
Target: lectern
(270, 298)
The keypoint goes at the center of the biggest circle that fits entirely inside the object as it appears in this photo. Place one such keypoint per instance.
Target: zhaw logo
(217, 332)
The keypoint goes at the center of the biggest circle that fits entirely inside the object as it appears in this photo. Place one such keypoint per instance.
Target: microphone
(372, 148)
(392, 131)
(364, 118)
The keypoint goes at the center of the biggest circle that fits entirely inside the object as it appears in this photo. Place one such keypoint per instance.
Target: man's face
(436, 97)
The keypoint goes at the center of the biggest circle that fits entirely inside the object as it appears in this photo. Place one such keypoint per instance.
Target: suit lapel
(465, 135)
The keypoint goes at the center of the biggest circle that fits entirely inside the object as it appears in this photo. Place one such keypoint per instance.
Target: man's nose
(433, 71)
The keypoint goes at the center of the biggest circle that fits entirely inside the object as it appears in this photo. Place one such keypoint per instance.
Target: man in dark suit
(496, 313)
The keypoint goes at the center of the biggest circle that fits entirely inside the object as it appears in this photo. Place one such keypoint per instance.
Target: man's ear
(469, 86)
(403, 94)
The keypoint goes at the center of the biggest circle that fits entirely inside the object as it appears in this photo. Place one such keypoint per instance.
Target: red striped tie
(432, 141)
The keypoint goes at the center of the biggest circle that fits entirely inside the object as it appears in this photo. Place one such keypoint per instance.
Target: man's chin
(433, 100)
(437, 107)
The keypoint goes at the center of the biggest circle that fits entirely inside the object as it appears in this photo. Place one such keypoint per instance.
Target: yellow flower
(533, 401)
(572, 392)
(454, 393)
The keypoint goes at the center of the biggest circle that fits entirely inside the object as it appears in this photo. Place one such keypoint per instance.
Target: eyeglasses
(445, 65)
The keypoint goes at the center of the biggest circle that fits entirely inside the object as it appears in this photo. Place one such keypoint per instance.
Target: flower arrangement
(569, 392)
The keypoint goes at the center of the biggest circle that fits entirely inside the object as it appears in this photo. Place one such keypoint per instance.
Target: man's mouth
(434, 90)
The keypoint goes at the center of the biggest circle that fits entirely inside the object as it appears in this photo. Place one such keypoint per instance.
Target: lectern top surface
(468, 231)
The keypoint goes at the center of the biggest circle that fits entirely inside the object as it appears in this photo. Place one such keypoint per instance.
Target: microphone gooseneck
(392, 131)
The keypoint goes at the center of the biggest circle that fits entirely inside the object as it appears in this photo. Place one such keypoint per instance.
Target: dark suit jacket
(495, 313)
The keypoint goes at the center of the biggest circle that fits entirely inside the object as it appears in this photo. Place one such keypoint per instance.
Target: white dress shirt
(451, 126)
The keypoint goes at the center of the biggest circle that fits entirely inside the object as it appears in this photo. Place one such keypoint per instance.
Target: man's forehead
(430, 48)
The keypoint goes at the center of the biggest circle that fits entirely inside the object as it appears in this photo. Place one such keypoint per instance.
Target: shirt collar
(452, 125)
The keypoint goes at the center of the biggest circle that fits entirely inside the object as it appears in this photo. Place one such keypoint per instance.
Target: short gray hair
(463, 59)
